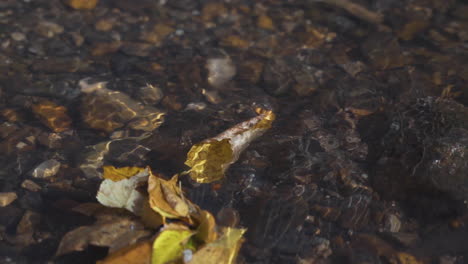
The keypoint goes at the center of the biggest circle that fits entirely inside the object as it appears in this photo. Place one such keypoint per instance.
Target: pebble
(49, 29)
(150, 94)
(220, 71)
(18, 36)
(46, 169)
(7, 198)
(82, 4)
(30, 186)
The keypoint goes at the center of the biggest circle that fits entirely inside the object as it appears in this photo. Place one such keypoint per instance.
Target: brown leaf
(166, 197)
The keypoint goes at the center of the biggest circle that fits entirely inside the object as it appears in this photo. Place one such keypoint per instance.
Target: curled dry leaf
(114, 232)
(167, 199)
(168, 247)
(224, 250)
(123, 193)
(210, 158)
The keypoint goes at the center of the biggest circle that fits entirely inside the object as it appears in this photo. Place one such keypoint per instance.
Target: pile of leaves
(182, 232)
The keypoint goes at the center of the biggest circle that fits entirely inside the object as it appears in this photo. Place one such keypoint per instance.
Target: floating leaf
(168, 247)
(139, 253)
(224, 250)
(117, 174)
(210, 158)
(123, 193)
(167, 198)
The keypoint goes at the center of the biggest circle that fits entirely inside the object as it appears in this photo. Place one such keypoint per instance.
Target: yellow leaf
(224, 250)
(209, 159)
(170, 244)
(139, 253)
(166, 198)
(117, 174)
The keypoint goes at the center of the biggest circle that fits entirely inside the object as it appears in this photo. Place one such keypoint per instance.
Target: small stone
(250, 71)
(11, 115)
(7, 198)
(108, 110)
(26, 227)
(384, 58)
(137, 49)
(228, 217)
(58, 65)
(46, 169)
(220, 71)
(30, 186)
(172, 102)
(82, 4)
(213, 10)
(392, 223)
(235, 42)
(412, 28)
(53, 116)
(157, 33)
(105, 24)
(212, 96)
(49, 29)
(104, 48)
(51, 140)
(265, 22)
(77, 38)
(198, 106)
(150, 94)
(18, 36)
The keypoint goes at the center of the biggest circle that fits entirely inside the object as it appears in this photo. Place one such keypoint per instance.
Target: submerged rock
(424, 154)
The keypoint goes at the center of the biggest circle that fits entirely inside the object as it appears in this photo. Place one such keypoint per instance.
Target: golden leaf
(166, 198)
(139, 253)
(210, 159)
(224, 250)
(117, 174)
(170, 244)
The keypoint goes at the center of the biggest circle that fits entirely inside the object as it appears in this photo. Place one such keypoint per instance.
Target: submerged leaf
(117, 174)
(123, 193)
(224, 250)
(170, 244)
(210, 158)
(114, 232)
